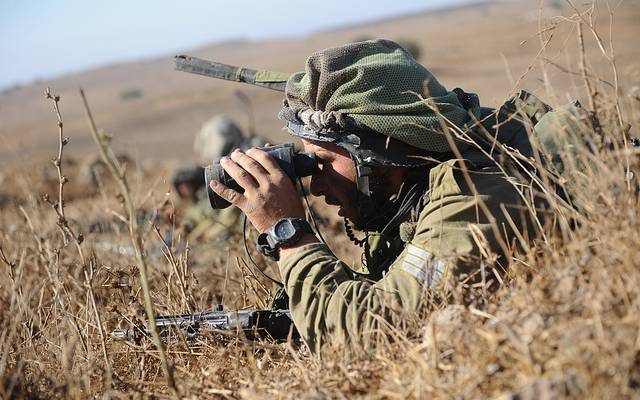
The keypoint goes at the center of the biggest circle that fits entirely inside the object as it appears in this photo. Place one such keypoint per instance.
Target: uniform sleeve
(327, 303)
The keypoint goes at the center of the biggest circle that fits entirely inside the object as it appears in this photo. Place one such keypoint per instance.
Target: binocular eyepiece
(293, 164)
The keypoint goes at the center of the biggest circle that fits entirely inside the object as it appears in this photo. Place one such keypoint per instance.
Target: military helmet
(371, 98)
(217, 137)
(374, 100)
(190, 173)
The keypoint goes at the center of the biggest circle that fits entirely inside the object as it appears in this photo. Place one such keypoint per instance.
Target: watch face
(284, 230)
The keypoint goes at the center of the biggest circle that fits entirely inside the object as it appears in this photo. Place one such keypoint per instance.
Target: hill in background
(154, 111)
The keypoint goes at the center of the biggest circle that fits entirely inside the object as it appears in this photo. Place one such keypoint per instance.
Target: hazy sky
(43, 39)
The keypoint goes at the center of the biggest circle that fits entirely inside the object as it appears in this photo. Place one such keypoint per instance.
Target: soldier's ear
(392, 177)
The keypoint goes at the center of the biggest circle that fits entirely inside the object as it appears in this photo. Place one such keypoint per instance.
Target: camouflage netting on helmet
(378, 85)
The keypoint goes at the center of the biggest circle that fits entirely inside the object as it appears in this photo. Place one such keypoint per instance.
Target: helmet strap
(385, 214)
(369, 204)
(366, 205)
(363, 173)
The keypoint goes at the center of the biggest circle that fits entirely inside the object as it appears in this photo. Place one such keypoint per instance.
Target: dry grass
(563, 324)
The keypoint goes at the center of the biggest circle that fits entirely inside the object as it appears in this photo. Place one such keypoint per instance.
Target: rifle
(253, 324)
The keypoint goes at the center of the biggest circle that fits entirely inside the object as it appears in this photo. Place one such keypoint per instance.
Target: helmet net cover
(375, 85)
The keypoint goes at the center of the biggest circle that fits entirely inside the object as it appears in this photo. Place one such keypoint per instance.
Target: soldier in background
(218, 136)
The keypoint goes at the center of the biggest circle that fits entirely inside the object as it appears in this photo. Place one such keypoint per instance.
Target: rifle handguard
(253, 324)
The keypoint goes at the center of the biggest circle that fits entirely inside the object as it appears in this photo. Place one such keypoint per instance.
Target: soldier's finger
(241, 176)
(250, 165)
(230, 195)
(267, 162)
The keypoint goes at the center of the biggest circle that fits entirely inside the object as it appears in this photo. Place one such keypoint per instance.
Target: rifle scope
(294, 164)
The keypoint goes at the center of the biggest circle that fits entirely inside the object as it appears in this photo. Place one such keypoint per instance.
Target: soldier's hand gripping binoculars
(294, 164)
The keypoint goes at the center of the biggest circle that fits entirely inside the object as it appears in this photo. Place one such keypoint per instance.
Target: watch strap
(269, 243)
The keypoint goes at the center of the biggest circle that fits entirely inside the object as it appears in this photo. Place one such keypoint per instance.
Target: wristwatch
(285, 232)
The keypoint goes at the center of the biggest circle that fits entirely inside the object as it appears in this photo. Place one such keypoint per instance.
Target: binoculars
(294, 164)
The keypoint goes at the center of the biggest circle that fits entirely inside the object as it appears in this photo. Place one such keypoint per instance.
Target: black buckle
(264, 247)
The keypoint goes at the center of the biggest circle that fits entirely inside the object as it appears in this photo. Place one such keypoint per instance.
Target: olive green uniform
(370, 98)
(454, 236)
(201, 220)
(325, 298)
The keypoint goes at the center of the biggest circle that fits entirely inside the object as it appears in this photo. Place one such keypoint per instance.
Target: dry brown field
(561, 323)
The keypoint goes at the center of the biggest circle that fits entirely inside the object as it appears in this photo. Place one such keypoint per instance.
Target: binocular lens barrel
(292, 163)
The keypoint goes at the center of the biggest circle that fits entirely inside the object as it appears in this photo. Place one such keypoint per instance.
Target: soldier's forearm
(306, 239)
(310, 274)
(326, 301)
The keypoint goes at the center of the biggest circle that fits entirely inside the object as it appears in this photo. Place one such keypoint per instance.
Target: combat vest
(524, 123)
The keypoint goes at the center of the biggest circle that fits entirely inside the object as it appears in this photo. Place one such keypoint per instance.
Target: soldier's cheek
(317, 186)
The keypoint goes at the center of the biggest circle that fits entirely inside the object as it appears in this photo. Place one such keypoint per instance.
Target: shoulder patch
(423, 266)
